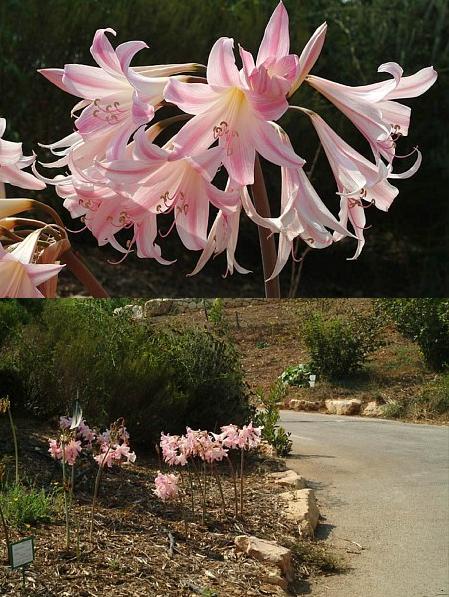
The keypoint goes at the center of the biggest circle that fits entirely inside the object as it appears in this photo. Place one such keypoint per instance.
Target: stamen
(222, 130)
(108, 113)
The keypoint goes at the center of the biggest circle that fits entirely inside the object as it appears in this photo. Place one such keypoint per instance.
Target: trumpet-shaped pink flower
(19, 276)
(371, 107)
(182, 186)
(303, 215)
(166, 486)
(71, 450)
(233, 109)
(249, 436)
(12, 163)
(117, 98)
(360, 182)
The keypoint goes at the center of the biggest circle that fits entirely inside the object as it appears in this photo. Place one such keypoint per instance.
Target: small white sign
(21, 553)
(312, 379)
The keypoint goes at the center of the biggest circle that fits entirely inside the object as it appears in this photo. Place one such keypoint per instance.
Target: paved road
(385, 486)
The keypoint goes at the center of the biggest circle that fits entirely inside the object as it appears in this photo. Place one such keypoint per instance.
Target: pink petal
(276, 39)
(269, 145)
(414, 85)
(310, 55)
(24, 180)
(192, 219)
(239, 159)
(55, 76)
(208, 162)
(192, 98)
(221, 68)
(145, 235)
(40, 272)
(90, 82)
(197, 134)
(104, 54)
(126, 52)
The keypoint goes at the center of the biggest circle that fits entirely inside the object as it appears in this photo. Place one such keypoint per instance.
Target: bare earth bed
(130, 553)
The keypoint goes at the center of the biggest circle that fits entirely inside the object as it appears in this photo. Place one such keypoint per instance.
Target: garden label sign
(21, 553)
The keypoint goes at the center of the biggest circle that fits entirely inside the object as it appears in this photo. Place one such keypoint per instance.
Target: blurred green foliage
(407, 250)
(157, 378)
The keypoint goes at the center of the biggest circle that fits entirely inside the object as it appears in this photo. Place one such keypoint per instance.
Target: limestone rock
(307, 405)
(300, 506)
(343, 407)
(156, 307)
(268, 552)
(288, 478)
(272, 577)
(372, 409)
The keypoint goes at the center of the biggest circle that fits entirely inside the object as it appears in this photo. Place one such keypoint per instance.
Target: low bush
(166, 379)
(340, 346)
(426, 322)
(296, 375)
(27, 506)
(268, 419)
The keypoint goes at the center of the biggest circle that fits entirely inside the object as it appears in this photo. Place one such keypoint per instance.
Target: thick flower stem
(66, 501)
(266, 239)
(16, 447)
(220, 488)
(234, 480)
(192, 495)
(5, 531)
(96, 488)
(84, 275)
(242, 458)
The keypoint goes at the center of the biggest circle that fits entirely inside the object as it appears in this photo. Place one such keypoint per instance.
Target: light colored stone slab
(343, 407)
(300, 506)
(268, 552)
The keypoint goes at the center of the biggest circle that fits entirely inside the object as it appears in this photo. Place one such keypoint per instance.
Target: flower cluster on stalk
(119, 178)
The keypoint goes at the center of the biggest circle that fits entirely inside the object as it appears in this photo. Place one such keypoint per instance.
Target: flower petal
(104, 54)
(269, 145)
(310, 55)
(221, 68)
(192, 98)
(276, 39)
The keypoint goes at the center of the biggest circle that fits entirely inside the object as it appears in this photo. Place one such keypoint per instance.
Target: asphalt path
(382, 485)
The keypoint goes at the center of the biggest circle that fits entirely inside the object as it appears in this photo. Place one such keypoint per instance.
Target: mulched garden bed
(140, 546)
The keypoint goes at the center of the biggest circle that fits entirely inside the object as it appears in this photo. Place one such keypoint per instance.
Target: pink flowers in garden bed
(197, 450)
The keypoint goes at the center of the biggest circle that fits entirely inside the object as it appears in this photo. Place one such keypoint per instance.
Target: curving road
(385, 486)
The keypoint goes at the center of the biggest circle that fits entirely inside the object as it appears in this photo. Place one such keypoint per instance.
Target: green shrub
(27, 506)
(426, 322)
(268, 418)
(433, 401)
(157, 379)
(296, 375)
(216, 316)
(395, 409)
(341, 346)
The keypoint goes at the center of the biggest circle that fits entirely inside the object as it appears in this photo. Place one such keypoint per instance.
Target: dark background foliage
(407, 250)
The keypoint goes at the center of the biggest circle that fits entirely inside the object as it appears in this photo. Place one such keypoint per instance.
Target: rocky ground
(144, 547)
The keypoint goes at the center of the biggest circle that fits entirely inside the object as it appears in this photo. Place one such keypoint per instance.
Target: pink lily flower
(360, 182)
(183, 186)
(235, 108)
(19, 276)
(222, 237)
(12, 163)
(371, 107)
(116, 98)
(166, 486)
(303, 214)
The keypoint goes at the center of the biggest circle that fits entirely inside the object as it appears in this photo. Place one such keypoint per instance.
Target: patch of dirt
(268, 335)
(130, 554)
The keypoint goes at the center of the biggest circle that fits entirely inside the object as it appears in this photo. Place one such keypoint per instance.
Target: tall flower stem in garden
(96, 488)
(16, 447)
(66, 501)
(220, 487)
(266, 238)
(234, 480)
(242, 458)
(192, 492)
(5, 531)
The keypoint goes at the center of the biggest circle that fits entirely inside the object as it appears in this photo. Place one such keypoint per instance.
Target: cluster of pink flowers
(206, 446)
(120, 179)
(71, 450)
(113, 444)
(166, 486)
